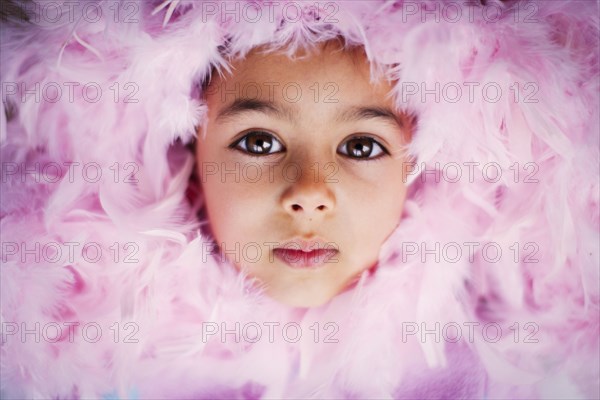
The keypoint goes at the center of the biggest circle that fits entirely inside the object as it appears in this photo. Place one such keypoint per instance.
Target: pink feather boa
(116, 95)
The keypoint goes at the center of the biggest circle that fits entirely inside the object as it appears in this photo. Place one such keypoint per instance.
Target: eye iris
(259, 144)
(362, 147)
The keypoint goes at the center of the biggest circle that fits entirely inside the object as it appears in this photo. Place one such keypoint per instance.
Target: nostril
(298, 207)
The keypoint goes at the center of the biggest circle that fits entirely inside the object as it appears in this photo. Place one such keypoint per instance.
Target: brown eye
(258, 143)
(361, 148)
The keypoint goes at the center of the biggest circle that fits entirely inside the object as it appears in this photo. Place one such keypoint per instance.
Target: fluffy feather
(159, 293)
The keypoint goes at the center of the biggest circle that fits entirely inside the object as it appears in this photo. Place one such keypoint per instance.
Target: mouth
(303, 259)
(307, 254)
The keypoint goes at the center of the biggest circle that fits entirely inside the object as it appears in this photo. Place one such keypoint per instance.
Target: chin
(303, 299)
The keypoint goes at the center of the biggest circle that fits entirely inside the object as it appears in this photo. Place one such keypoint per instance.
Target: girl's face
(302, 150)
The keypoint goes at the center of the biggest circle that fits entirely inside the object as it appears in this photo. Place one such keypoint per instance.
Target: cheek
(392, 204)
(224, 206)
(378, 215)
(235, 207)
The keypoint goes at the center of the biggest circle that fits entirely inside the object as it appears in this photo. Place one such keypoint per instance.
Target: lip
(300, 253)
(303, 259)
(307, 244)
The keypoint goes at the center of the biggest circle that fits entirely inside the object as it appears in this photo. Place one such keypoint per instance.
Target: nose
(308, 197)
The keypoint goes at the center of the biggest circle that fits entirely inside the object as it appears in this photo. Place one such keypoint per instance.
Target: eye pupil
(259, 144)
(362, 147)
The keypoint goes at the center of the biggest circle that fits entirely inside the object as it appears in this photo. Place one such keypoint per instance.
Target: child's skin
(352, 203)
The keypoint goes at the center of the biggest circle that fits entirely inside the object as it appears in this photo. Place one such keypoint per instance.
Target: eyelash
(235, 145)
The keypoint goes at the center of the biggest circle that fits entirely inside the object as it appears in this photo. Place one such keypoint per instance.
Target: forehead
(326, 70)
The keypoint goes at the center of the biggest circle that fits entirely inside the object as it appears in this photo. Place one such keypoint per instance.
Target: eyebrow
(358, 113)
(244, 105)
(351, 114)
